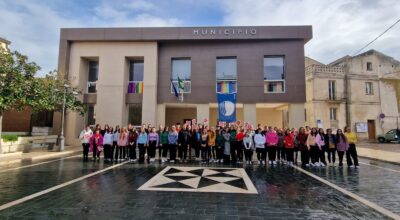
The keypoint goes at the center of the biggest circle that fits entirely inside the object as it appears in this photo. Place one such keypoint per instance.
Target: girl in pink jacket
(271, 139)
(96, 144)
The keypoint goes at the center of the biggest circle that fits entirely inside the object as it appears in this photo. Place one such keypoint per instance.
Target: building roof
(188, 33)
(310, 61)
(3, 40)
(367, 53)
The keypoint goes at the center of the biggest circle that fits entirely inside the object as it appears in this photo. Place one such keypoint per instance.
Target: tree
(19, 88)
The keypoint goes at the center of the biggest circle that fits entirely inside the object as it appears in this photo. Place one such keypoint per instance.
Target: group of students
(233, 144)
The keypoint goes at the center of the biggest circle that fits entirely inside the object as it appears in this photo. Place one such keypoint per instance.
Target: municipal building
(127, 74)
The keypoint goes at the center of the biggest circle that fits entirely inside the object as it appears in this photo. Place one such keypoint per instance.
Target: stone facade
(4, 43)
(366, 87)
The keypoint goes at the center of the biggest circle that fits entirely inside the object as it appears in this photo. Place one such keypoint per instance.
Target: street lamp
(62, 139)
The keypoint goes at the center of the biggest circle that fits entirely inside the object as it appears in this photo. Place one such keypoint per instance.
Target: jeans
(305, 157)
(260, 154)
(132, 151)
(172, 151)
(340, 154)
(314, 153)
(142, 151)
(289, 154)
(352, 154)
(281, 153)
(271, 153)
(248, 154)
(86, 151)
(331, 155)
(151, 151)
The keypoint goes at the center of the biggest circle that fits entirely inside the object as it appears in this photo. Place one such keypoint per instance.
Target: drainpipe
(347, 98)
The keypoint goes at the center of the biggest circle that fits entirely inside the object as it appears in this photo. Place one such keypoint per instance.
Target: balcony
(135, 87)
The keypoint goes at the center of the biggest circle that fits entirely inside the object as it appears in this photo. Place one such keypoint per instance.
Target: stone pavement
(19, 158)
(283, 193)
(388, 152)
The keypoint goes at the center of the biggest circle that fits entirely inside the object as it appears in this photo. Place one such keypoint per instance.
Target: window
(135, 114)
(369, 66)
(332, 114)
(369, 88)
(91, 116)
(136, 68)
(93, 76)
(274, 74)
(305, 114)
(332, 89)
(181, 69)
(226, 74)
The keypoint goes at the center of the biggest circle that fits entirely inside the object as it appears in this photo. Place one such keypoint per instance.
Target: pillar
(203, 111)
(250, 114)
(160, 114)
(149, 101)
(296, 115)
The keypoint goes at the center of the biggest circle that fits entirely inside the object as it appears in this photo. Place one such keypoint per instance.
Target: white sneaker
(322, 165)
(317, 164)
(274, 162)
(270, 162)
(313, 164)
(172, 161)
(307, 165)
(222, 160)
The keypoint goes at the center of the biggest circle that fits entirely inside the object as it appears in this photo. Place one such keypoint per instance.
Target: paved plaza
(71, 189)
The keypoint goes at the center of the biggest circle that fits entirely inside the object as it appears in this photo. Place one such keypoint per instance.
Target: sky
(340, 27)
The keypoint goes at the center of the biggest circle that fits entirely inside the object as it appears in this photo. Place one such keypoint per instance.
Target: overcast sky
(340, 27)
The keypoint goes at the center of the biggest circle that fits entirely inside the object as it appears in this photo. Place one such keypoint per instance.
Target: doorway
(371, 130)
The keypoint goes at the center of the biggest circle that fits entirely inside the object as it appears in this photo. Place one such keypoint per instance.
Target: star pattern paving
(201, 179)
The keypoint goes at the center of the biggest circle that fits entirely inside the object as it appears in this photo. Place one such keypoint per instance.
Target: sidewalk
(37, 154)
(380, 151)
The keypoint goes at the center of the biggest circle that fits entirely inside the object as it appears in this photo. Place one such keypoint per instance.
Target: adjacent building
(127, 74)
(362, 91)
(4, 43)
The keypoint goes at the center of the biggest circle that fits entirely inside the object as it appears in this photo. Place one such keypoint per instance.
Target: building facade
(4, 43)
(361, 91)
(126, 74)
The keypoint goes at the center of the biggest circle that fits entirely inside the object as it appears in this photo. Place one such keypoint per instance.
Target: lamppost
(62, 139)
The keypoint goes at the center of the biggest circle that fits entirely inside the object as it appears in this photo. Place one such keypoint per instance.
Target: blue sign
(227, 107)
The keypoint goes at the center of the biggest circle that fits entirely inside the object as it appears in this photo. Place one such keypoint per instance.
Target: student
(288, 141)
(107, 142)
(159, 147)
(184, 137)
(281, 147)
(204, 146)
(233, 144)
(211, 144)
(123, 143)
(248, 147)
(351, 154)
(239, 145)
(96, 145)
(85, 136)
(272, 143)
(313, 147)
(227, 145)
(152, 140)
(320, 140)
(142, 144)
(164, 144)
(259, 140)
(195, 144)
(296, 145)
(220, 142)
(301, 139)
(342, 145)
(330, 145)
(133, 136)
(115, 142)
(172, 142)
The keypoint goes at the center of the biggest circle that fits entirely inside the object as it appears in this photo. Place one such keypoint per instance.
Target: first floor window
(181, 75)
(274, 74)
(332, 114)
(369, 88)
(93, 76)
(135, 114)
(91, 116)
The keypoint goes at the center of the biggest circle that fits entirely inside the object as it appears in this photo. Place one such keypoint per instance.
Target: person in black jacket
(184, 138)
(330, 145)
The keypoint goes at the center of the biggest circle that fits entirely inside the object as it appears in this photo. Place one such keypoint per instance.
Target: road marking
(36, 164)
(352, 195)
(27, 198)
(384, 168)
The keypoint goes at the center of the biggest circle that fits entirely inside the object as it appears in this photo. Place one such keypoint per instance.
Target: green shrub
(9, 137)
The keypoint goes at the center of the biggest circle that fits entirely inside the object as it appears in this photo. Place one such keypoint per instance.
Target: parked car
(388, 137)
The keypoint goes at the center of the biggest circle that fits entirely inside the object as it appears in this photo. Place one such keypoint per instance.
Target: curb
(379, 160)
(58, 155)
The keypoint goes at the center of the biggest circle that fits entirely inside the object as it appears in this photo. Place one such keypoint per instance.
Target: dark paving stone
(284, 193)
(237, 183)
(172, 171)
(204, 182)
(220, 175)
(197, 172)
(174, 185)
(178, 178)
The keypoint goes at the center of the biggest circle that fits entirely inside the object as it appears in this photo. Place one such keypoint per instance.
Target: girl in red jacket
(288, 141)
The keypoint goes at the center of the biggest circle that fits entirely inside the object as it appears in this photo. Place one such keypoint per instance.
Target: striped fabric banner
(226, 87)
(135, 87)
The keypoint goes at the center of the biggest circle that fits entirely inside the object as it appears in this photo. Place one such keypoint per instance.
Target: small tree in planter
(19, 88)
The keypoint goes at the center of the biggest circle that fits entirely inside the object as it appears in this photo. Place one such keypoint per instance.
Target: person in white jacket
(259, 140)
(85, 136)
(248, 147)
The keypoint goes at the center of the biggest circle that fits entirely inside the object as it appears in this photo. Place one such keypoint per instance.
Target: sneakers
(274, 162)
(270, 162)
(357, 166)
(172, 161)
(322, 165)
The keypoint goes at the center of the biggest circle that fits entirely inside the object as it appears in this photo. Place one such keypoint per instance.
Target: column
(149, 101)
(250, 114)
(160, 114)
(203, 111)
(296, 115)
